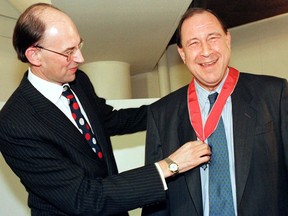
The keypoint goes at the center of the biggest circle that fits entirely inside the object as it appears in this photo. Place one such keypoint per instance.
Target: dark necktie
(220, 192)
(81, 121)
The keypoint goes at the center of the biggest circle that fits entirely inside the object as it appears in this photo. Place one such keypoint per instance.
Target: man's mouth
(206, 64)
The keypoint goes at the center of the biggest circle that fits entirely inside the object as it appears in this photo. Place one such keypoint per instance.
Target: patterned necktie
(81, 121)
(220, 192)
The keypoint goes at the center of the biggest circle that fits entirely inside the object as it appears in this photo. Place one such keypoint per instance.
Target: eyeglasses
(68, 54)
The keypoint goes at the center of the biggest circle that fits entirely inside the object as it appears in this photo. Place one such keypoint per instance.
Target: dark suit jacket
(260, 127)
(59, 170)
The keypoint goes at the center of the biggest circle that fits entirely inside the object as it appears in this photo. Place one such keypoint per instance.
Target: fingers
(191, 155)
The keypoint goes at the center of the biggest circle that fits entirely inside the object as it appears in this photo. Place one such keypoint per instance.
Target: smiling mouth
(208, 63)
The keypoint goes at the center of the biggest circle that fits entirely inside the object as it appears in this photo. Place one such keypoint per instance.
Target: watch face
(173, 167)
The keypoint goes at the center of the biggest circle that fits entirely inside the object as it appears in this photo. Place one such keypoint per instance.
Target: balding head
(32, 24)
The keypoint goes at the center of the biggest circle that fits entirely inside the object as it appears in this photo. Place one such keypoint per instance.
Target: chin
(71, 78)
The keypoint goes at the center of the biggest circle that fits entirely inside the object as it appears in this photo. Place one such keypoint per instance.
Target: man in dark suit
(254, 109)
(45, 147)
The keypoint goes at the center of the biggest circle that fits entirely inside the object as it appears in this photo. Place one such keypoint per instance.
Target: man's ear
(33, 56)
(228, 40)
(181, 53)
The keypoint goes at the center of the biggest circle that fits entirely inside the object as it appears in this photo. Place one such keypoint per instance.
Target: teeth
(205, 64)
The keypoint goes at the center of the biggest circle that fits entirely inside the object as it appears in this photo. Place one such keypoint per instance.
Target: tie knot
(67, 92)
(212, 98)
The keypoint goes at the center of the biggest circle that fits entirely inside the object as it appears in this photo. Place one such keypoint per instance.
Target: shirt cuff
(162, 176)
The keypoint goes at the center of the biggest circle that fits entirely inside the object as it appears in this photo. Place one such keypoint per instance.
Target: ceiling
(132, 31)
(138, 32)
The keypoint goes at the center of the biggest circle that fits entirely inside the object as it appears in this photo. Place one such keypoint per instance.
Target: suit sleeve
(52, 178)
(153, 153)
(284, 119)
(59, 174)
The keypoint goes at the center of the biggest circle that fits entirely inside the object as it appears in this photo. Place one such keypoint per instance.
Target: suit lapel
(244, 120)
(192, 177)
(55, 119)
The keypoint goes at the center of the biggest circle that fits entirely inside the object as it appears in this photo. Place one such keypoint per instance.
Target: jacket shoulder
(172, 100)
(258, 79)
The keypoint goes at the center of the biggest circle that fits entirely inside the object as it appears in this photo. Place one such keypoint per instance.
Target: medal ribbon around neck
(215, 113)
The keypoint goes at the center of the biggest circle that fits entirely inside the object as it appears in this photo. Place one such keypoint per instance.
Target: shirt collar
(203, 94)
(50, 90)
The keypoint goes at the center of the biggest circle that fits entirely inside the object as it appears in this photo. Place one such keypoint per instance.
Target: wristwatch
(172, 166)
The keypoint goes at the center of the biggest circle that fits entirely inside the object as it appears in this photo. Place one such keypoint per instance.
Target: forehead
(54, 17)
(59, 27)
(200, 24)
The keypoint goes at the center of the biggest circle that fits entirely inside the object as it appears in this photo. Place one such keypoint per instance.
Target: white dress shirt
(53, 92)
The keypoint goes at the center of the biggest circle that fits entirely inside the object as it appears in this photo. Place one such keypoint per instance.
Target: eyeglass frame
(70, 52)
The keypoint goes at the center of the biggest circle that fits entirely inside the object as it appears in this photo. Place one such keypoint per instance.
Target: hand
(188, 156)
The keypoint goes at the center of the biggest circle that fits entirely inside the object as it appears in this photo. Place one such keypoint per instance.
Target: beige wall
(11, 69)
(262, 47)
(145, 84)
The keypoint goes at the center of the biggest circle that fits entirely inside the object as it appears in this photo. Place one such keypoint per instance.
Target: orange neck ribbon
(215, 113)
